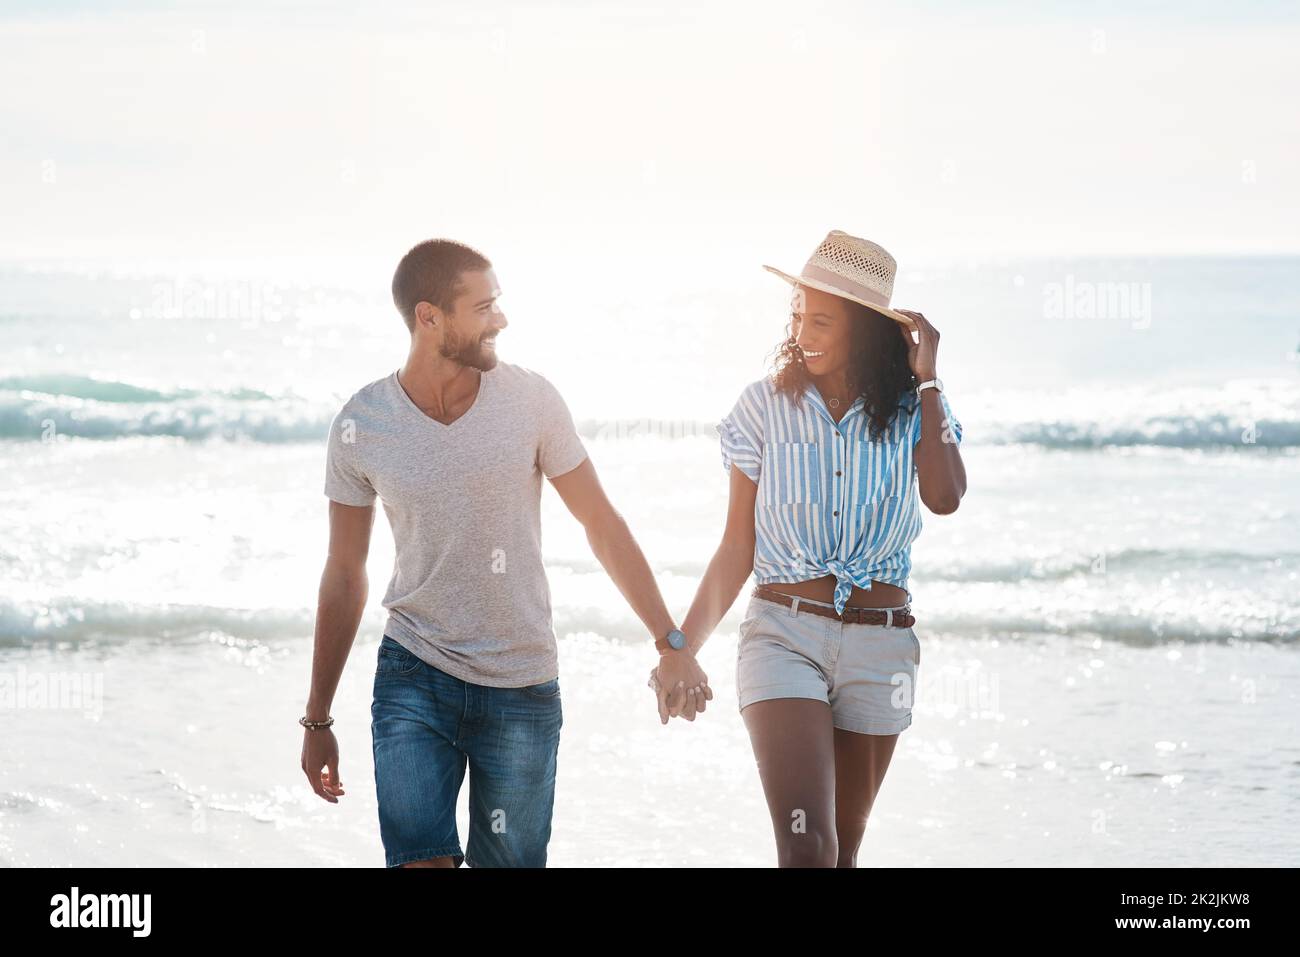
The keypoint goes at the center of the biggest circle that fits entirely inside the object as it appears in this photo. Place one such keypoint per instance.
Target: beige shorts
(866, 673)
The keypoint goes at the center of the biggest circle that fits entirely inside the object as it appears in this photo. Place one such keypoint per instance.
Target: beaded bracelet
(315, 725)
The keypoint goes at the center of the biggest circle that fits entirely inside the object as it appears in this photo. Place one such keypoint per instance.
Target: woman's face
(819, 323)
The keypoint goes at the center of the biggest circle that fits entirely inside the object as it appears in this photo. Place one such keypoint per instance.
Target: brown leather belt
(890, 617)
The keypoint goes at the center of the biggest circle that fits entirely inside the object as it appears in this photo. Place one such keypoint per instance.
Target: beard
(469, 352)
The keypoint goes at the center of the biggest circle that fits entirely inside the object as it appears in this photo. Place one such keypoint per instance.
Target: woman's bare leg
(795, 750)
(860, 764)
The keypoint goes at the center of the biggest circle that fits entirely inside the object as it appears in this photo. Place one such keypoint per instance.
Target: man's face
(471, 329)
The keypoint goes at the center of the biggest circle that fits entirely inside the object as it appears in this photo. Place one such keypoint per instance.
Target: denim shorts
(426, 724)
(866, 673)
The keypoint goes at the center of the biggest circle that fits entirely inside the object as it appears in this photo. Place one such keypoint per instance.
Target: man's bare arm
(342, 600)
(613, 545)
(340, 603)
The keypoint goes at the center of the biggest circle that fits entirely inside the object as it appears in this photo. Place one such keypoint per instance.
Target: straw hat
(851, 268)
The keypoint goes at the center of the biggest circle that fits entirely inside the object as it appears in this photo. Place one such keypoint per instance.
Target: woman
(828, 458)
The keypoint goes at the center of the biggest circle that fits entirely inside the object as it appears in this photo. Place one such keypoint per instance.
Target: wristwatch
(935, 383)
(675, 640)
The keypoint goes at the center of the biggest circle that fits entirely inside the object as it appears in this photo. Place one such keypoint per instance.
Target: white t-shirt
(468, 593)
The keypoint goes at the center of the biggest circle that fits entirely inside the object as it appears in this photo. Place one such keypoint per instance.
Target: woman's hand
(922, 355)
(941, 475)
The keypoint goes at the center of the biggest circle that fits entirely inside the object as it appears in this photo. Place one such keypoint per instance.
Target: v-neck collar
(810, 388)
(484, 383)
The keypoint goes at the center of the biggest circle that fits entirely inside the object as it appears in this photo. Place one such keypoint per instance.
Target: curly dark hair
(878, 370)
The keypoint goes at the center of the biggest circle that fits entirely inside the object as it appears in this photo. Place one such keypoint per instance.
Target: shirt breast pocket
(792, 473)
(874, 474)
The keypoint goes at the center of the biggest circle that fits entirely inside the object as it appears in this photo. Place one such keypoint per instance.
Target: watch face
(676, 639)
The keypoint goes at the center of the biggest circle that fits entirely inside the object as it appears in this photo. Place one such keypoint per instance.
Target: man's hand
(681, 687)
(320, 749)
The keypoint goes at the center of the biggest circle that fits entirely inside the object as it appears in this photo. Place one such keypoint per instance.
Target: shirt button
(837, 512)
(837, 472)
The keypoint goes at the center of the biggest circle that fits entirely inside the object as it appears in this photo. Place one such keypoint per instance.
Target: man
(454, 444)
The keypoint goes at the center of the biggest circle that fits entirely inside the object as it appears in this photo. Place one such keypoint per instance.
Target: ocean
(1109, 623)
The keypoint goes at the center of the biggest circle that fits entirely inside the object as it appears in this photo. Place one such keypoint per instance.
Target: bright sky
(651, 136)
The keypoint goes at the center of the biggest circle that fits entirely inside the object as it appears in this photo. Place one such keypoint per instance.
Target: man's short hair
(430, 273)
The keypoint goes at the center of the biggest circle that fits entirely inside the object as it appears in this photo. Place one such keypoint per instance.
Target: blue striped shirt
(830, 499)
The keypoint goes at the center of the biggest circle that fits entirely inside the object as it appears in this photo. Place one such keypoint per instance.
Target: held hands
(680, 685)
(921, 355)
